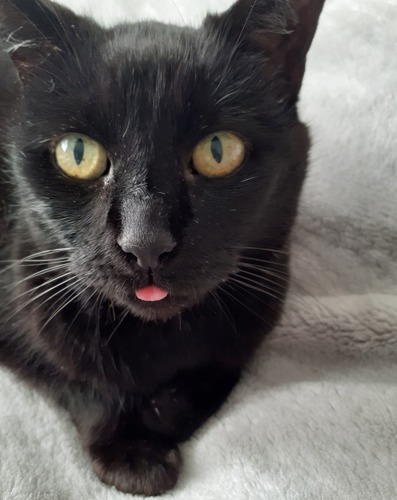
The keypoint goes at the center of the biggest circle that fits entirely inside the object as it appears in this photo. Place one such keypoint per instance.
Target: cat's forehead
(153, 47)
(155, 72)
(141, 39)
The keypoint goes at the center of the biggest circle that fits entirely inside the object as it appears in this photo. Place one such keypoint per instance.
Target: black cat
(149, 179)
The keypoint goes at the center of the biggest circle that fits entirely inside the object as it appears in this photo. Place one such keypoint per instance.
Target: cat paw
(139, 467)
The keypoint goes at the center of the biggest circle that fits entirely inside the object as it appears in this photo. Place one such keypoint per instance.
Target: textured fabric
(315, 416)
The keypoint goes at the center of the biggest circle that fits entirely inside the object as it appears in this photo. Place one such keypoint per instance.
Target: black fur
(138, 378)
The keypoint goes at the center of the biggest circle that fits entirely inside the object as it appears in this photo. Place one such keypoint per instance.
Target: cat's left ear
(281, 30)
(32, 30)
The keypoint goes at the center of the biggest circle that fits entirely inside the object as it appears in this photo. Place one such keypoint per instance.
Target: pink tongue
(151, 294)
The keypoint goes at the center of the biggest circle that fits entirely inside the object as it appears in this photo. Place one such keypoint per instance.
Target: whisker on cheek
(38, 274)
(271, 292)
(45, 292)
(244, 305)
(263, 274)
(69, 299)
(255, 260)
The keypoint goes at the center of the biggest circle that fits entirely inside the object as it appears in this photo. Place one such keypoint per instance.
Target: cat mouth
(157, 310)
(154, 303)
(152, 293)
(151, 300)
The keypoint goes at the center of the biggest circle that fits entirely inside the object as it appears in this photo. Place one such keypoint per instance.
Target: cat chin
(156, 312)
(160, 311)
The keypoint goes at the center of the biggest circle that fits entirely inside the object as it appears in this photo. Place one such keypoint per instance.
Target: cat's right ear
(280, 31)
(32, 30)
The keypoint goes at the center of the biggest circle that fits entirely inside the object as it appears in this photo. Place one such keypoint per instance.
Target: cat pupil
(217, 149)
(79, 151)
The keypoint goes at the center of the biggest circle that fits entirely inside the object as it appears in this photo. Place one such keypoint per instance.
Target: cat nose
(148, 254)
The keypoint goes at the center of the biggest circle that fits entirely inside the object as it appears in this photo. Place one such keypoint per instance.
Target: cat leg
(176, 409)
(124, 454)
(136, 451)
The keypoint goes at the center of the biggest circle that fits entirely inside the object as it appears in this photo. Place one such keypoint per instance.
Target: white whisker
(65, 304)
(37, 274)
(259, 276)
(33, 299)
(224, 309)
(179, 12)
(262, 249)
(241, 303)
(80, 310)
(262, 261)
(61, 292)
(117, 327)
(259, 287)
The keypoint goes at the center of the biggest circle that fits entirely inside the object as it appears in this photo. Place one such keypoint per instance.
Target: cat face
(190, 138)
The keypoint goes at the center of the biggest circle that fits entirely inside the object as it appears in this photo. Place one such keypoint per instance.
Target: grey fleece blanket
(315, 416)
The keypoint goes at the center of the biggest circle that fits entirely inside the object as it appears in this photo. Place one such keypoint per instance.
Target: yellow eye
(219, 154)
(80, 157)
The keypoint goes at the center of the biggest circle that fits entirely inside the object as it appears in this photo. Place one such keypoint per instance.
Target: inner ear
(10, 84)
(281, 30)
(32, 30)
(27, 58)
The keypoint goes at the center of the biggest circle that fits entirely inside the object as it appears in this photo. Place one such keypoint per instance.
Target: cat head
(156, 155)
